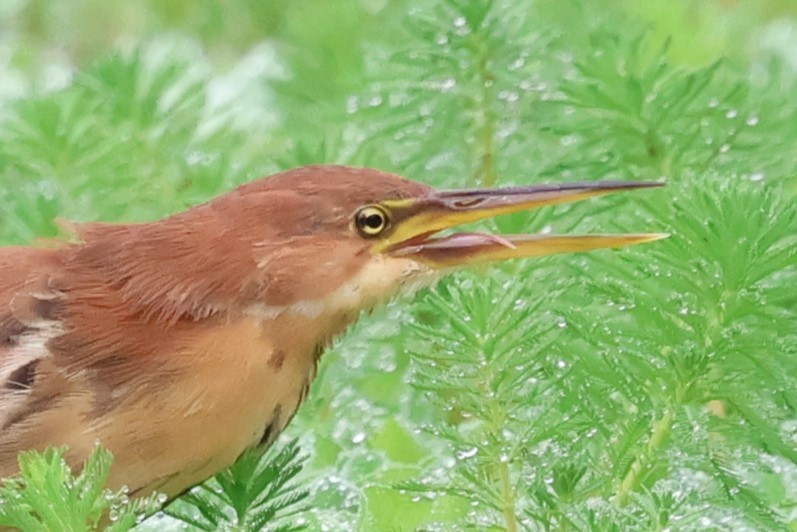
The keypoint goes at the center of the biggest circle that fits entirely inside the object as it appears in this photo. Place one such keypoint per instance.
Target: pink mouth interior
(455, 241)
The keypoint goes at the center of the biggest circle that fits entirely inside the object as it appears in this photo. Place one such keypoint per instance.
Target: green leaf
(47, 496)
(257, 490)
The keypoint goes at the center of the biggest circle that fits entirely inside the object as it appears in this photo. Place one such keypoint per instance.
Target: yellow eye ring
(371, 220)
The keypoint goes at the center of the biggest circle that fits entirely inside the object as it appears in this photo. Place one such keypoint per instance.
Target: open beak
(417, 220)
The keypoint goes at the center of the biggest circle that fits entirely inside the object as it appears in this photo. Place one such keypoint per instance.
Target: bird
(180, 343)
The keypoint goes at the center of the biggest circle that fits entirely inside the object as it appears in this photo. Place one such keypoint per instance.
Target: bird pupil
(374, 221)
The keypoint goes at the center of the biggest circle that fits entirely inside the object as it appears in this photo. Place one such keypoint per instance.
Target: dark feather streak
(271, 431)
(34, 407)
(22, 377)
(10, 330)
(277, 359)
(47, 309)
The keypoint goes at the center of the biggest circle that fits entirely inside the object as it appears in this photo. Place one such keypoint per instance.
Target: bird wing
(30, 382)
(69, 353)
(79, 364)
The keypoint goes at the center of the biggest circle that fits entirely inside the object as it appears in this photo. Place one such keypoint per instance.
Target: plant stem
(497, 418)
(661, 429)
(508, 496)
(486, 122)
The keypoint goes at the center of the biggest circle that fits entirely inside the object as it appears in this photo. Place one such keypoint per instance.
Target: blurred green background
(648, 389)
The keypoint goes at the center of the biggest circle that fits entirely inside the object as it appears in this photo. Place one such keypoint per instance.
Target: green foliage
(255, 493)
(649, 388)
(105, 134)
(47, 496)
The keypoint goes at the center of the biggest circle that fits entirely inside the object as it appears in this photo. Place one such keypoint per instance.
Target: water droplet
(731, 113)
(530, 85)
(459, 22)
(358, 438)
(752, 121)
(352, 104)
(509, 96)
(448, 84)
(756, 176)
(196, 158)
(468, 453)
(517, 63)
(568, 140)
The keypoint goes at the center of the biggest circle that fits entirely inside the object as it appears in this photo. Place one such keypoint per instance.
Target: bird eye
(371, 221)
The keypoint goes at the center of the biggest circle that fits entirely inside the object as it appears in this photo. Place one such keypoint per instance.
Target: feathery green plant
(255, 493)
(682, 361)
(650, 388)
(47, 496)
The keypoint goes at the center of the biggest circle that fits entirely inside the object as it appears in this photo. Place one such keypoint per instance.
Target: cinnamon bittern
(180, 343)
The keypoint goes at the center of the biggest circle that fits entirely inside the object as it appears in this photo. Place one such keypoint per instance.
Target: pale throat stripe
(375, 283)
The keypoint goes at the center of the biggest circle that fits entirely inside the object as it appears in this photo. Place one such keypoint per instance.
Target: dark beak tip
(654, 184)
(625, 185)
(465, 198)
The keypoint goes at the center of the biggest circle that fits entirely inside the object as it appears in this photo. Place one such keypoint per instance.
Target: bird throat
(298, 333)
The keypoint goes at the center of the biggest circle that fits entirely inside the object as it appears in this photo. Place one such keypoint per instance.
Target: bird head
(321, 241)
(343, 239)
